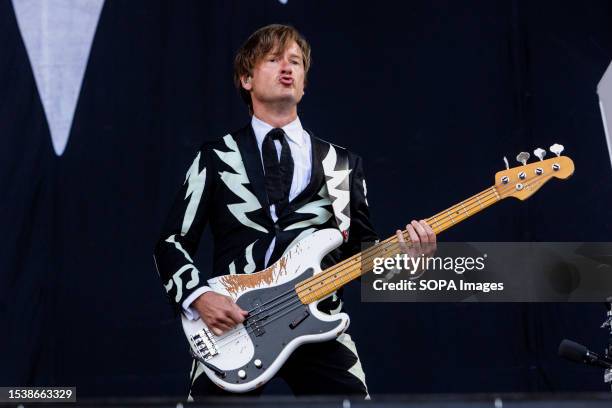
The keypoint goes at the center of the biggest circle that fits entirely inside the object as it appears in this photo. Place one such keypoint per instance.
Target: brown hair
(260, 43)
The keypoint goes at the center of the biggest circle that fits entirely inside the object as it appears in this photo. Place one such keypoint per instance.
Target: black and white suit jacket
(225, 187)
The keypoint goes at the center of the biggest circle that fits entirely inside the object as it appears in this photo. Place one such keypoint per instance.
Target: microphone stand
(608, 353)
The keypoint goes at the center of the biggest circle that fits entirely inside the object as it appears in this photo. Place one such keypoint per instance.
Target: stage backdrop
(431, 94)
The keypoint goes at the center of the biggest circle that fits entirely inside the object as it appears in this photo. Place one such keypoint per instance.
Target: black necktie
(278, 174)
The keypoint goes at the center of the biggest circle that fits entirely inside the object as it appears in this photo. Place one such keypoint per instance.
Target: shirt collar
(293, 130)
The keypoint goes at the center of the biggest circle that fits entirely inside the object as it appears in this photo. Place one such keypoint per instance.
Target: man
(262, 189)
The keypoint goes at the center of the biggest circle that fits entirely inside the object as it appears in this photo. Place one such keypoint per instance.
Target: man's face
(278, 78)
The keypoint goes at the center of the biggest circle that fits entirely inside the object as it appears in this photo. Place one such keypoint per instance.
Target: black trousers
(328, 368)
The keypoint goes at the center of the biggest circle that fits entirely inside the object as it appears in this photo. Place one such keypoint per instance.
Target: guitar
(282, 299)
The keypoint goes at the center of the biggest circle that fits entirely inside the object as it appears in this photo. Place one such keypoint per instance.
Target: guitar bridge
(203, 345)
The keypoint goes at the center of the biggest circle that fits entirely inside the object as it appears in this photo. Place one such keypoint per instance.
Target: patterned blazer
(225, 187)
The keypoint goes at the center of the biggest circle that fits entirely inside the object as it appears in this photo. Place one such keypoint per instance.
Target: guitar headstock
(523, 181)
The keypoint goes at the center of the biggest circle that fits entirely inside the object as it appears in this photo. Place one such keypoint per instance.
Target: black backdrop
(432, 94)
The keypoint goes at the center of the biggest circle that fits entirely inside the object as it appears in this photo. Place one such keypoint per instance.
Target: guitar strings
(269, 301)
(485, 195)
(437, 221)
(339, 269)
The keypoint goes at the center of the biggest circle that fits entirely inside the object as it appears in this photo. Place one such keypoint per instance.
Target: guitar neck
(335, 277)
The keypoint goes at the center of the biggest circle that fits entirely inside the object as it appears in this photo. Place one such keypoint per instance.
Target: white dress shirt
(301, 152)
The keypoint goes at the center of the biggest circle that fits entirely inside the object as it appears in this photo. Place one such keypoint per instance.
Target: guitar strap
(336, 170)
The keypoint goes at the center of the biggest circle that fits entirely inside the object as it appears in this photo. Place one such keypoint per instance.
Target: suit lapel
(249, 151)
(319, 150)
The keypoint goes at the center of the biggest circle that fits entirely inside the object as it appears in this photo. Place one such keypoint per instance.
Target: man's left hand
(422, 239)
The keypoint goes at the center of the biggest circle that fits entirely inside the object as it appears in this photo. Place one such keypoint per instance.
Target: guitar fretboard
(335, 277)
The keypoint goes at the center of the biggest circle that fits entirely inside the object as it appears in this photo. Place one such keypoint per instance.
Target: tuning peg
(522, 157)
(557, 149)
(507, 165)
(540, 153)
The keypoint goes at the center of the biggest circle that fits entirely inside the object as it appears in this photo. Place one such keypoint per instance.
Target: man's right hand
(219, 312)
